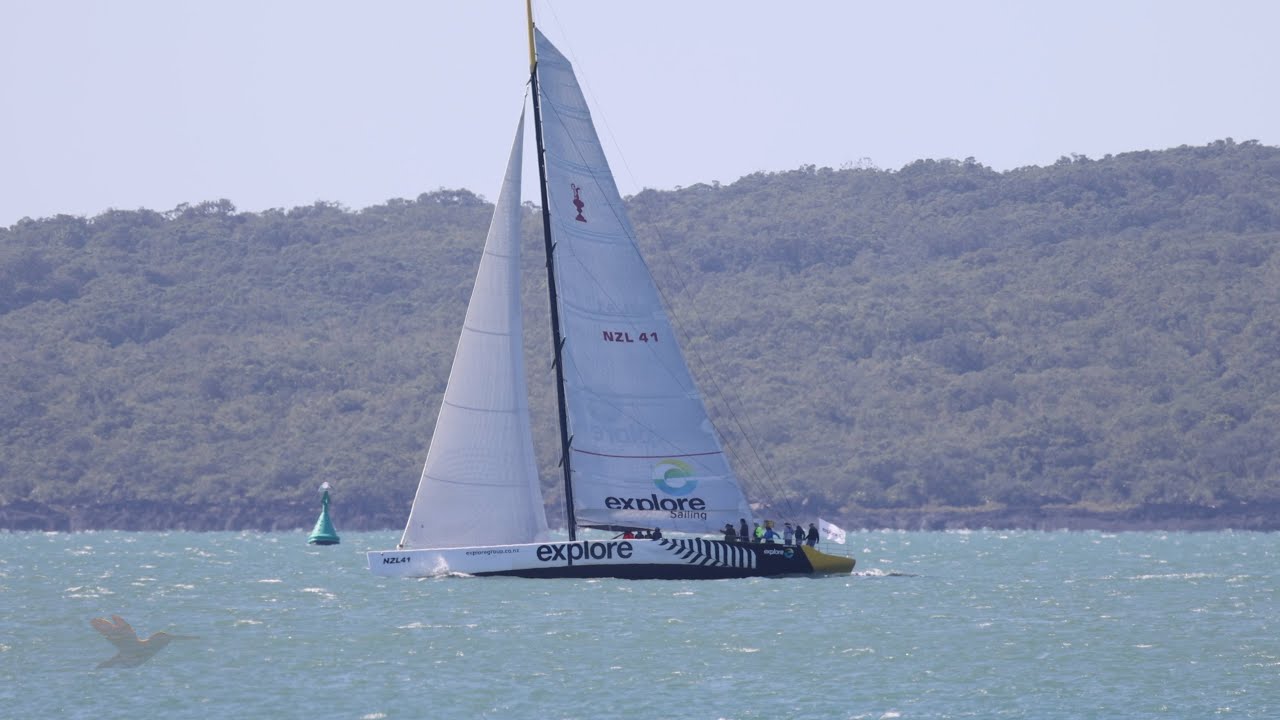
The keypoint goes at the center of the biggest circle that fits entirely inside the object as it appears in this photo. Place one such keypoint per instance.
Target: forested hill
(1094, 337)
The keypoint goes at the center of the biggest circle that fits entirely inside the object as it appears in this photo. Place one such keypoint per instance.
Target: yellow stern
(824, 564)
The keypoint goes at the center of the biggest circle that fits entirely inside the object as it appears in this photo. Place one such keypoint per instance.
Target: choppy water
(934, 625)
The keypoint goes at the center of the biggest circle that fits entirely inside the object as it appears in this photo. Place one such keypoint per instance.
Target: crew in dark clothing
(729, 534)
(813, 535)
(656, 534)
(744, 533)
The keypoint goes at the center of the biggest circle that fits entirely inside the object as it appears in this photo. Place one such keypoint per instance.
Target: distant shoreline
(148, 516)
(1263, 517)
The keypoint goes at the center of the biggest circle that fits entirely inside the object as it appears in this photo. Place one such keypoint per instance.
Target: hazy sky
(133, 104)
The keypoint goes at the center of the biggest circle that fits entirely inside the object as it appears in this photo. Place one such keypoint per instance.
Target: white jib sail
(479, 485)
(643, 452)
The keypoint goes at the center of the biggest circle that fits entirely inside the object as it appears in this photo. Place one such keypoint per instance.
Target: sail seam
(649, 457)
(472, 483)
(490, 333)
(504, 410)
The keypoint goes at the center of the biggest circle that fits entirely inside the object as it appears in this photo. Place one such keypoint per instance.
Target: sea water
(932, 625)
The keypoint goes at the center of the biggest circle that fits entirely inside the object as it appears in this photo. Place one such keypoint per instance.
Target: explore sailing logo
(585, 550)
(674, 477)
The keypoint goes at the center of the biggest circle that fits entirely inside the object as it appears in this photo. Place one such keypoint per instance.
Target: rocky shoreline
(1261, 517)
(153, 516)
(150, 516)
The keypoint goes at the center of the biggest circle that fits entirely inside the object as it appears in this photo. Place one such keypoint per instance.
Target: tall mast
(557, 342)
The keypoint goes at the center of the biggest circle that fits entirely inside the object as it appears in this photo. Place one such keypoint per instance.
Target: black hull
(663, 559)
(770, 560)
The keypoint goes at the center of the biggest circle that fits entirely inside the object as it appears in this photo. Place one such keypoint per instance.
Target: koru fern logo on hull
(674, 477)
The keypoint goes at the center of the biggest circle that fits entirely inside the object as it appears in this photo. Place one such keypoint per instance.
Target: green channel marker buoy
(323, 534)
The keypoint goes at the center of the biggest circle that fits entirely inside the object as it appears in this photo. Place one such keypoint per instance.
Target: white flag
(830, 532)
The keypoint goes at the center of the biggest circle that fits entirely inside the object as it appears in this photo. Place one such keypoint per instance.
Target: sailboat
(637, 449)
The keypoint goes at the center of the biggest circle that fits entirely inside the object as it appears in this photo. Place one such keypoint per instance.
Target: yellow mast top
(533, 58)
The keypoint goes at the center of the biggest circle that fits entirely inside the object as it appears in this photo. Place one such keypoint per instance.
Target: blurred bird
(132, 651)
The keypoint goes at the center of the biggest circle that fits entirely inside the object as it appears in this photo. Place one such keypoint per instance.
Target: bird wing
(117, 660)
(116, 631)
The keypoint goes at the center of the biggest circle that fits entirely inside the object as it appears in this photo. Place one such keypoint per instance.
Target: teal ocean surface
(933, 625)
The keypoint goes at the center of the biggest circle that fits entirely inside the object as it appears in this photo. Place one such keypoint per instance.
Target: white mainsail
(479, 485)
(643, 451)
